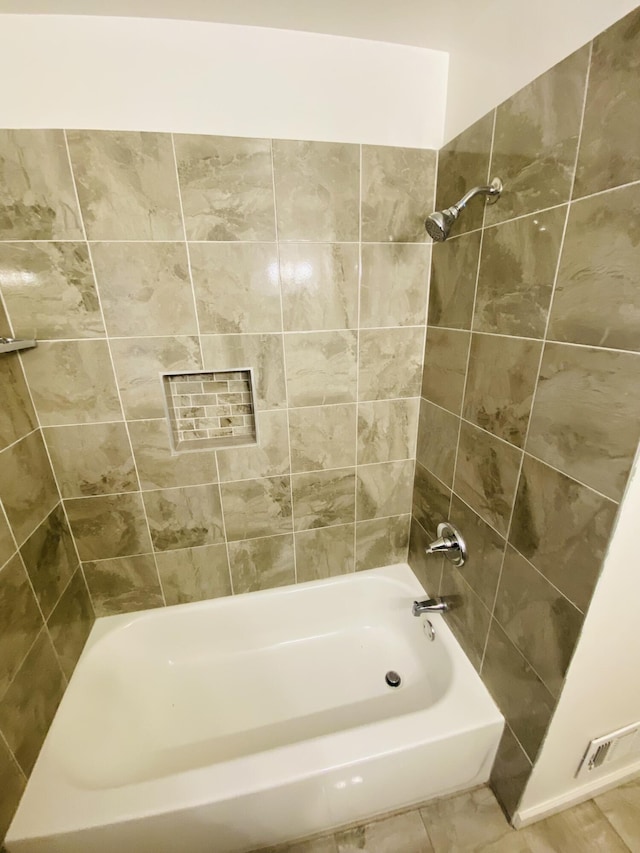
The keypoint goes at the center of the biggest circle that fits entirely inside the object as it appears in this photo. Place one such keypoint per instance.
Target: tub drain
(392, 678)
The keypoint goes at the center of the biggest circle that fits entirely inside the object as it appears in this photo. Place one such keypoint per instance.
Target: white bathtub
(227, 725)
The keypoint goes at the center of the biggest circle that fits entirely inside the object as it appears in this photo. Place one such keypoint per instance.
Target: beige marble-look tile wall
(45, 611)
(128, 254)
(530, 413)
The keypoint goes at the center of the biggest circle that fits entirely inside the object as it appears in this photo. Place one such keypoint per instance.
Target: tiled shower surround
(530, 409)
(129, 255)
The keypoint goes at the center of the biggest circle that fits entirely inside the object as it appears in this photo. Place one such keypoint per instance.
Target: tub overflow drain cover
(392, 678)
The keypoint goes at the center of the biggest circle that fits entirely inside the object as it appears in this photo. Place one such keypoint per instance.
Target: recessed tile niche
(210, 410)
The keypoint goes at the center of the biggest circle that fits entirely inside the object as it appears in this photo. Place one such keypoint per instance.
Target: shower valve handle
(450, 543)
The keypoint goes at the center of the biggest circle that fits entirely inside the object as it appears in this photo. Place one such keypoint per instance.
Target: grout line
(206, 334)
(284, 358)
(50, 341)
(224, 526)
(542, 352)
(27, 434)
(424, 355)
(160, 418)
(117, 387)
(525, 659)
(358, 316)
(13, 758)
(231, 482)
(517, 739)
(473, 311)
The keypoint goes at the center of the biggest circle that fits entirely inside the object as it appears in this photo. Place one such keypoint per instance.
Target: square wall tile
(538, 619)
(394, 287)
(586, 418)
(319, 285)
(124, 584)
(390, 363)
(322, 437)
(536, 139)
(395, 184)
(519, 693)
(387, 430)
(445, 367)
(184, 517)
(510, 772)
(37, 199)
(70, 623)
(139, 363)
(227, 187)
(325, 552)
(109, 526)
(28, 707)
(92, 459)
(452, 287)
(72, 382)
(609, 153)
(324, 498)
(501, 381)
(468, 618)
(317, 190)
(27, 487)
(194, 574)
(268, 458)
(437, 441)
(50, 291)
(517, 272)
(321, 367)
(384, 489)
(382, 542)
(463, 163)
(50, 559)
(563, 528)
(487, 475)
(237, 287)
(20, 615)
(431, 499)
(17, 417)
(12, 783)
(597, 299)
(264, 353)
(127, 184)
(262, 563)
(256, 508)
(145, 288)
(159, 467)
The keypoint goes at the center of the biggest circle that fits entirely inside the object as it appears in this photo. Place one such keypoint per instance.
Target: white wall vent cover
(604, 752)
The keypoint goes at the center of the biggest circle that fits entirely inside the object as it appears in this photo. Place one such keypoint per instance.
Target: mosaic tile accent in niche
(210, 410)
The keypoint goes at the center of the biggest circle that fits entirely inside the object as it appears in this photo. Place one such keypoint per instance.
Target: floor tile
(621, 807)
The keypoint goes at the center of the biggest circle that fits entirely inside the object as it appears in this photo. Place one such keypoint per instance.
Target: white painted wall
(508, 43)
(194, 77)
(602, 690)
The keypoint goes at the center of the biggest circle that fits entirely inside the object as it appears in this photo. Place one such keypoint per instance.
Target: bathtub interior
(255, 720)
(253, 676)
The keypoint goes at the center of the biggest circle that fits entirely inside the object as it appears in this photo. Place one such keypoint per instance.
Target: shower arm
(493, 190)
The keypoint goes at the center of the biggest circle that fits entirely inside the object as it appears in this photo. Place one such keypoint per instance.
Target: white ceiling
(422, 23)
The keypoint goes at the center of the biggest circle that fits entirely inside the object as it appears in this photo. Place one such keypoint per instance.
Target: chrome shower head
(438, 224)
